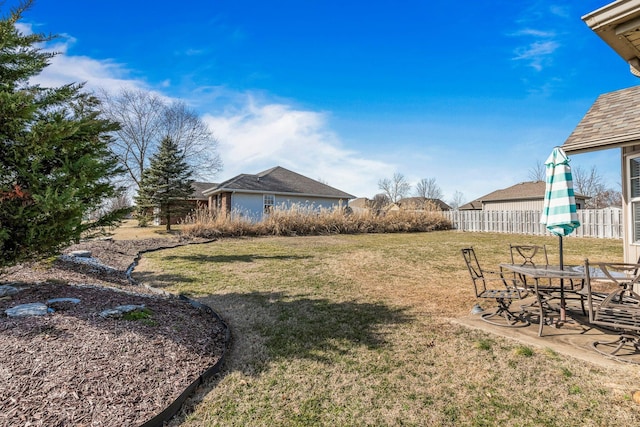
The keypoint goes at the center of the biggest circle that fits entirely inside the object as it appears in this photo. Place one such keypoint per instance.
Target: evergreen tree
(55, 164)
(166, 183)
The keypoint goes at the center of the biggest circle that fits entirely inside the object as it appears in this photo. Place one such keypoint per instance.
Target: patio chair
(501, 288)
(537, 255)
(525, 254)
(619, 310)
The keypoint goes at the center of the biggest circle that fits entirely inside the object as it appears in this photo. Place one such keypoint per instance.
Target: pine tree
(55, 164)
(166, 183)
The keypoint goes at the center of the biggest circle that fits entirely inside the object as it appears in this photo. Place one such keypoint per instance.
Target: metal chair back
(502, 290)
(525, 254)
(477, 276)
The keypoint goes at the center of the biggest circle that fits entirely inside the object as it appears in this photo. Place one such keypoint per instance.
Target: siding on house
(515, 205)
(251, 206)
(523, 196)
(244, 194)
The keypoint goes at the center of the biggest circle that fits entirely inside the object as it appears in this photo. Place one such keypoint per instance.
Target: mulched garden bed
(76, 367)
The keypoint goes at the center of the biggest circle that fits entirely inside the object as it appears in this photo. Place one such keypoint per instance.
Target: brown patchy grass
(355, 330)
(129, 230)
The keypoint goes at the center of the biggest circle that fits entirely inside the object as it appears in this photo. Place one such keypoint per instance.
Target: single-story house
(253, 196)
(613, 121)
(525, 196)
(197, 200)
(419, 203)
(361, 204)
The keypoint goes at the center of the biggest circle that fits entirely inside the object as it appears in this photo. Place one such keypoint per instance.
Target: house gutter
(229, 190)
(610, 14)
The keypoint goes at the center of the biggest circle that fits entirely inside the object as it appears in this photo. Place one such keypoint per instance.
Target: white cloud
(537, 54)
(253, 135)
(104, 74)
(561, 11)
(258, 137)
(534, 33)
(64, 69)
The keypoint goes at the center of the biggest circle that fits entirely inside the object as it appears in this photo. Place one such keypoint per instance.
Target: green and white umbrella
(559, 213)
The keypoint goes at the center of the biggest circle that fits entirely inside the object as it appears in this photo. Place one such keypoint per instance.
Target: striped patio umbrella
(559, 213)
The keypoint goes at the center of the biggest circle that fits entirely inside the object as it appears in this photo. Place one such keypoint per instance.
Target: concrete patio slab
(572, 339)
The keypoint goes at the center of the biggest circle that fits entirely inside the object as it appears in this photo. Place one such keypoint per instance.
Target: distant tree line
(397, 188)
(586, 182)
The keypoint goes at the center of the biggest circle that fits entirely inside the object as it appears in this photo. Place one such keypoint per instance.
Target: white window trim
(265, 204)
(631, 200)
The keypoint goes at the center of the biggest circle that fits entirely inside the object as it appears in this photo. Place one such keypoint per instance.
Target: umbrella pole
(563, 312)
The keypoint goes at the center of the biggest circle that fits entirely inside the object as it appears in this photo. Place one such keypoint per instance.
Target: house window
(269, 202)
(634, 196)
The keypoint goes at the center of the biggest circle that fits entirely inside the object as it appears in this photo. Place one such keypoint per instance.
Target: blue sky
(351, 92)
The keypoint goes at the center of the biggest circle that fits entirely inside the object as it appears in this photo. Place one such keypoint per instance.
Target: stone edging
(168, 413)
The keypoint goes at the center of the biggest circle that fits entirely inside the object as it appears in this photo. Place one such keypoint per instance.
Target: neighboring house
(420, 203)
(613, 121)
(253, 196)
(197, 200)
(525, 196)
(474, 205)
(361, 204)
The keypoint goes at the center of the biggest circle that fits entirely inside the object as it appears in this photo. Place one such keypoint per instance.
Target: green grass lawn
(353, 330)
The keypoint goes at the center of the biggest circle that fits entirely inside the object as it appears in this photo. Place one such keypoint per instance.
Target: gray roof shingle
(282, 181)
(199, 188)
(612, 121)
(530, 190)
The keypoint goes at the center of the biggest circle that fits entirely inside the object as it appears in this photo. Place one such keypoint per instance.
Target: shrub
(304, 220)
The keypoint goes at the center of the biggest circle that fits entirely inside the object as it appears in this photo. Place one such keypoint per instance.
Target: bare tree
(428, 189)
(457, 200)
(183, 125)
(590, 183)
(379, 202)
(538, 172)
(139, 114)
(395, 188)
(145, 119)
(605, 198)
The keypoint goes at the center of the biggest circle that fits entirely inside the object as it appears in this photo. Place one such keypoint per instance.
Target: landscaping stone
(56, 300)
(80, 254)
(6, 290)
(31, 309)
(120, 310)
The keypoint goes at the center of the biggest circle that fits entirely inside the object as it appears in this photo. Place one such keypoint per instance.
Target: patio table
(545, 293)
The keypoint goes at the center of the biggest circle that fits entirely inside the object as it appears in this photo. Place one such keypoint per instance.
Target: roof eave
(612, 22)
(283, 193)
(603, 144)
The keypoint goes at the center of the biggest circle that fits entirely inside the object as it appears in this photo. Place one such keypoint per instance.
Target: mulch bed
(75, 367)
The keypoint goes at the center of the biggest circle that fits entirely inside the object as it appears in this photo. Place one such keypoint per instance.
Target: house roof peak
(279, 180)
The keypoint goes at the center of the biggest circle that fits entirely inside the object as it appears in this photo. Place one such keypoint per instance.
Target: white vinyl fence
(602, 223)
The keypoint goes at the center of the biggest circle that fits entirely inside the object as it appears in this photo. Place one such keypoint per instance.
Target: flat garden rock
(81, 253)
(30, 309)
(56, 300)
(6, 290)
(120, 310)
